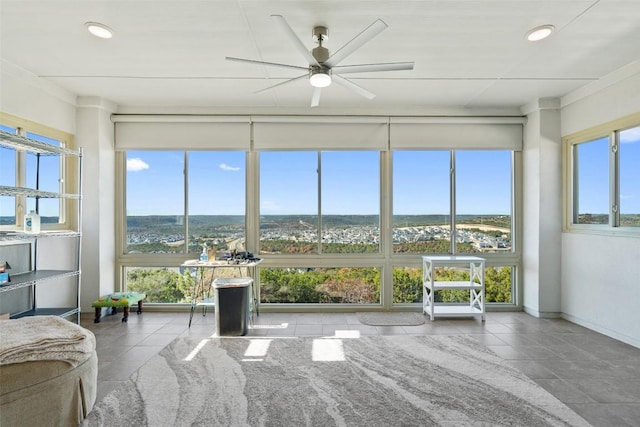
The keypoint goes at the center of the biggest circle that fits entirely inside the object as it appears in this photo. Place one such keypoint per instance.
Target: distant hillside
(11, 220)
(155, 221)
(174, 223)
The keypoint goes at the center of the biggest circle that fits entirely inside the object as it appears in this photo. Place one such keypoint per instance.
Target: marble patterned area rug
(350, 381)
(391, 319)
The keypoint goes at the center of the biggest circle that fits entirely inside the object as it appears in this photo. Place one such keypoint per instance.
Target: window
(289, 202)
(156, 188)
(160, 284)
(155, 202)
(603, 184)
(422, 202)
(483, 201)
(350, 200)
(315, 204)
(8, 160)
(216, 190)
(629, 147)
(422, 190)
(407, 285)
(423, 187)
(341, 285)
(44, 172)
(178, 202)
(304, 192)
(591, 182)
(336, 213)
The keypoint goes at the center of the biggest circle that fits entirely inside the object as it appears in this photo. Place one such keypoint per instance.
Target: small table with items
(204, 277)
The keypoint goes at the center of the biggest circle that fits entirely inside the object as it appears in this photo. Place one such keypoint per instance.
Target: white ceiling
(467, 53)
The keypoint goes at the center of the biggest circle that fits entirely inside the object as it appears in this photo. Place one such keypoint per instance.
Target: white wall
(601, 284)
(24, 95)
(96, 131)
(601, 273)
(542, 209)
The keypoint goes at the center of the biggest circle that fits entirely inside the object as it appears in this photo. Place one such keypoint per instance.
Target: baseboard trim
(605, 331)
(542, 314)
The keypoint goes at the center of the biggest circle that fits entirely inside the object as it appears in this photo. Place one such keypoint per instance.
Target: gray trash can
(232, 305)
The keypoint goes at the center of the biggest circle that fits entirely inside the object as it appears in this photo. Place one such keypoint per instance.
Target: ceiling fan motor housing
(320, 53)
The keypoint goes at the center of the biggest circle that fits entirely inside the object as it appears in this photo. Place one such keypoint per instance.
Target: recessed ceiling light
(539, 33)
(99, 30)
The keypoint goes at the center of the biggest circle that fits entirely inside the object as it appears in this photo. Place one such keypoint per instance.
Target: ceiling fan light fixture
(99, 30)
(320, 78)
(539, 33)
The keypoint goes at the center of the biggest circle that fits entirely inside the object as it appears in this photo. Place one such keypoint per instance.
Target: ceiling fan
(323, 68)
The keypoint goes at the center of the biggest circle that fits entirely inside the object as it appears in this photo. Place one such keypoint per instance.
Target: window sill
(629, 232)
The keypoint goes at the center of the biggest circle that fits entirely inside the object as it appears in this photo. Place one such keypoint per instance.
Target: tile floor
(596, 376)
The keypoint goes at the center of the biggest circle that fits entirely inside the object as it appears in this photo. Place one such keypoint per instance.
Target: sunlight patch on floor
(196, 350)
(346, 334)
(280, 326)
(327, 350)
(257, 350)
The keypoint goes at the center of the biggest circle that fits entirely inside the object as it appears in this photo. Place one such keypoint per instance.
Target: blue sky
(593, 176)
(630, 171)
(49, 173)
(350, 182)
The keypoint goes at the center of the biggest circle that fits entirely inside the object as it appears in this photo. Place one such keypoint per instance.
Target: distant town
(163, 234)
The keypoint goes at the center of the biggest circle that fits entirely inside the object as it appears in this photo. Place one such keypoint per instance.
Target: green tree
(498, 282)
(159, 284)
(407, 285)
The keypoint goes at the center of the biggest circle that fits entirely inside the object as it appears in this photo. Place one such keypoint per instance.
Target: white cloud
(226, 167)
(136, 165)
(630, 135)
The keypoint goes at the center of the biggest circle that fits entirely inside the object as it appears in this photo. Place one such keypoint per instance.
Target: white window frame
(125, 259)
(611, 131)
(66, 178)
(385, 134)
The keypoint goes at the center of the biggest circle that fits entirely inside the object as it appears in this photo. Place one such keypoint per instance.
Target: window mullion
(319, 175)
(185, 172)
(575, 165)
(452, 203)
(62, 205)
(21, 181)
(614, 180)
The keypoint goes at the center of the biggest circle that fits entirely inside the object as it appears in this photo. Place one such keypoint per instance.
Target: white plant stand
(475, 286)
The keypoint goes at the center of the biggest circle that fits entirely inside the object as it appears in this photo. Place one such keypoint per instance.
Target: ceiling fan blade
(365, 68)
(352, 86)
(283, 83)
(272, 64)
(295, 39)
(367, 34)
(315, 99)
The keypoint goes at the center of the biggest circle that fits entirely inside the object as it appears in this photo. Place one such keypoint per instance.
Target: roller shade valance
(464, 133)
(316, 133)
(182, 134)
(320, 133)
